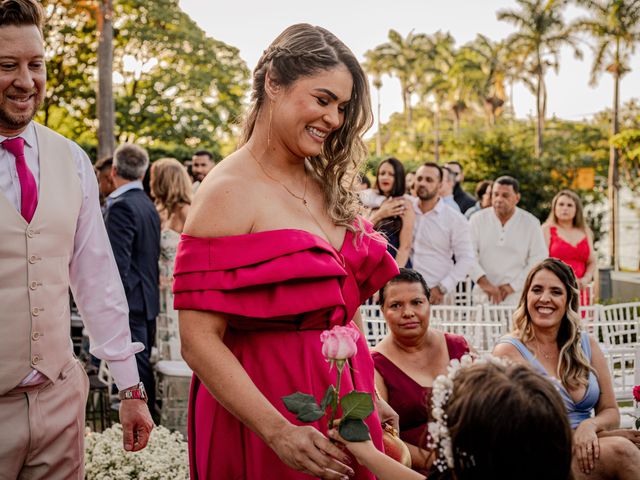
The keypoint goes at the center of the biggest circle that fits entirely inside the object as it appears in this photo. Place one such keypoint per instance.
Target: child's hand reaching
(383, 467)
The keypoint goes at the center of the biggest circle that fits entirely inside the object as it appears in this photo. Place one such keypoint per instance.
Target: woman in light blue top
(546, 334)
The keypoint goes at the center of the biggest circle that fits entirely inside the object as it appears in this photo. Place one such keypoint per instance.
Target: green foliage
(507, 149)
(176, 90)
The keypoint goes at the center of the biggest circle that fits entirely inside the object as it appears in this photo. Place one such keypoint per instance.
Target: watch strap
(134, 393)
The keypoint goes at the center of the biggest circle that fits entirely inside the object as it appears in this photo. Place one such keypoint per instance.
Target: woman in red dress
(274, 252)
(570, 239)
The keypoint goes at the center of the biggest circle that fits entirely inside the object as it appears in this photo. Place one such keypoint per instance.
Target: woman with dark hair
(546, 335)
(391, 210)
(410, 357)
(496, 421)
(570, 239)
(274, 252)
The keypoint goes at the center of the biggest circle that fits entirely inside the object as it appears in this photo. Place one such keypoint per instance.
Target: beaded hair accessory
(440, 437)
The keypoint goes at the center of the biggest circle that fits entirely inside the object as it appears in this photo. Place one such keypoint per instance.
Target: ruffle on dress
(280, 279)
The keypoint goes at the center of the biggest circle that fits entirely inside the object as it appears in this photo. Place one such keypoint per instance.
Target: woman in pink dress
(273, 252)
(570, 239)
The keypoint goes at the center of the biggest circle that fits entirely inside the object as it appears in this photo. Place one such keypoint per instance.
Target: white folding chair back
(461, 295)
(590, 315)
(500, 313)
(623, 365)
(481, 333)
(620, 324)
(375, 328)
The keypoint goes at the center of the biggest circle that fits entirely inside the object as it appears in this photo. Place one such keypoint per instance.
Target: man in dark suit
(462, 198)
(133, 226)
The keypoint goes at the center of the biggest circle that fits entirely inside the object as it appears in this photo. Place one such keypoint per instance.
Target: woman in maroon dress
(273, 252)
(410, 357)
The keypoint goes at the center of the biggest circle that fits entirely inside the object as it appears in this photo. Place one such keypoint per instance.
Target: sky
(251, 25)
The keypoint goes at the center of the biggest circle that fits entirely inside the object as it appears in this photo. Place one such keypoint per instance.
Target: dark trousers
(144, 331)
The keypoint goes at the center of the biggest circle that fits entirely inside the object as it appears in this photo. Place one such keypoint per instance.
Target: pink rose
(636, 393)
(339, 343)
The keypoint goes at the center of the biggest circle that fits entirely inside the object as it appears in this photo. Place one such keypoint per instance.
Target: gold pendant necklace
(304, 192)
(547, 356)
(303, 198)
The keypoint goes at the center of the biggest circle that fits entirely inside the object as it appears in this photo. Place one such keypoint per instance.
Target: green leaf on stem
(354, 430)
(310, 413)
(328, 397)
(297, 401)
(356, 405)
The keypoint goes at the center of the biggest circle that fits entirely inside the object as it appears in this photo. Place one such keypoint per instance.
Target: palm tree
(615, 27)
(450, 76)
(399, 57)
(541, 33)
(490, 59)
(375, 68)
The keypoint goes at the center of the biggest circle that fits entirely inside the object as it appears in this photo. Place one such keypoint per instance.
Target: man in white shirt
(201, 164)
(440, 234)
(53, 239)
(508, 242)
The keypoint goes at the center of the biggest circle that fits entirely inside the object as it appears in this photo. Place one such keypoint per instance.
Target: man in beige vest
(52, 238)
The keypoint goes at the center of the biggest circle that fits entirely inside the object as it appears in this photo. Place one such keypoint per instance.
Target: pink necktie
(28, 188)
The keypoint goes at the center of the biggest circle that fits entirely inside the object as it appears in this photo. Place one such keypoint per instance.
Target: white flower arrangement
(164, 457)
(440, 437)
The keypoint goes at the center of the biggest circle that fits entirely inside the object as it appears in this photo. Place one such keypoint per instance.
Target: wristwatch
(136, 392)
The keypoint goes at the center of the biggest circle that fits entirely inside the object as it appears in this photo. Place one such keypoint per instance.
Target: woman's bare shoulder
(223, 204)
(509, 351)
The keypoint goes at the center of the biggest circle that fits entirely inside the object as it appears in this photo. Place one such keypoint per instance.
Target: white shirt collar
(28, 134)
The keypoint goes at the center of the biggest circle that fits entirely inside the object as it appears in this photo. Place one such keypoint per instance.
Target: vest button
(35, 359)
(35, 336)
(35, 311)
(30, 233)
(33, 285)
(34, 259)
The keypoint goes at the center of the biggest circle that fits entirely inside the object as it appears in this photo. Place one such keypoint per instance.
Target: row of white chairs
(462, 295)
(616, 326)
(613, 325)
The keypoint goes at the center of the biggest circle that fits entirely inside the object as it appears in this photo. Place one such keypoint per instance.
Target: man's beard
(426, 196)
(17, 122)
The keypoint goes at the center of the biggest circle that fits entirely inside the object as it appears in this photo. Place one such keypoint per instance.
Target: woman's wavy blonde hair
(170, 185)
(573, 367)
(303, 50)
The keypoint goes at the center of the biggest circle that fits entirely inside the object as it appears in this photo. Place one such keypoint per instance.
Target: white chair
(619, 324)
(590, 315)
(461, 295)
(481, 333)
(623, 365)
(375, 328)
(500, 313)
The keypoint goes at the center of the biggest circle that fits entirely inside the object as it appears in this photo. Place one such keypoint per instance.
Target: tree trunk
(379, 132)
(105, 103)
(613, 176)
(436, 131)
(539, 112)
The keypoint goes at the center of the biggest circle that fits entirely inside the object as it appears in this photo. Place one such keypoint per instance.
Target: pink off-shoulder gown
(279, 289)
